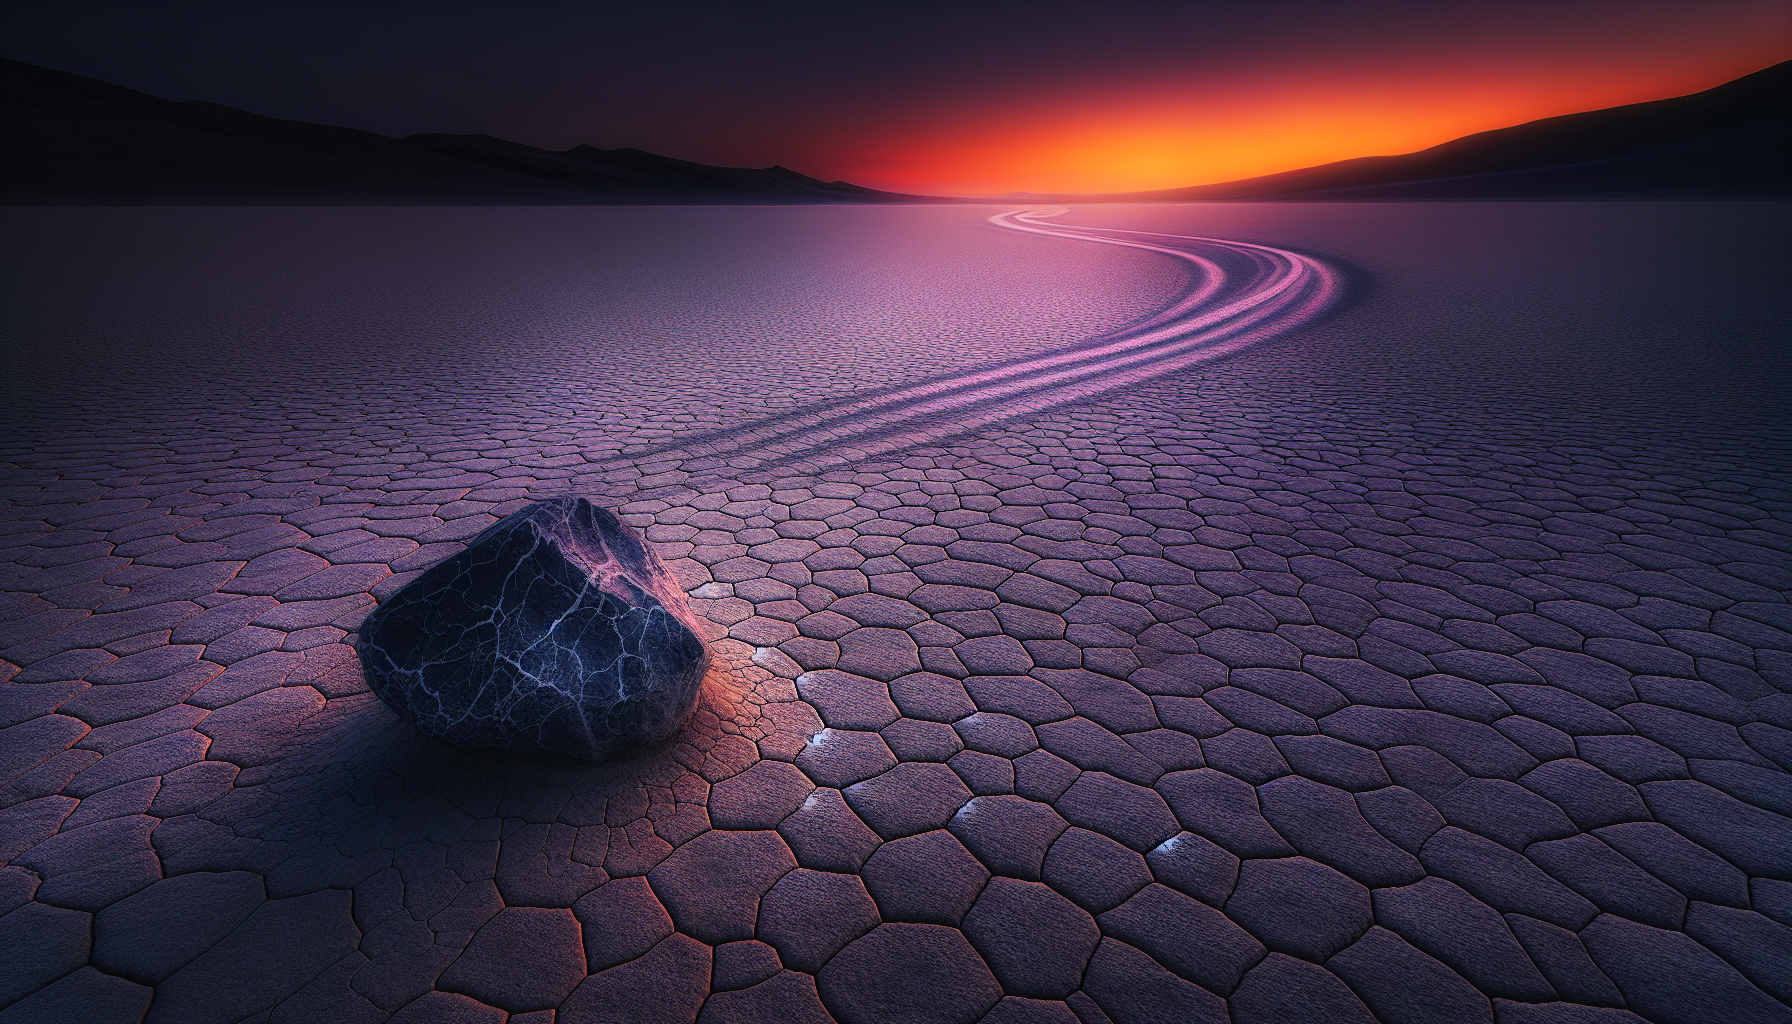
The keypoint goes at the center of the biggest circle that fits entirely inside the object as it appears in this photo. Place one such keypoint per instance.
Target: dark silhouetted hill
(1731, 142)
(1734, 140)
(70, 139)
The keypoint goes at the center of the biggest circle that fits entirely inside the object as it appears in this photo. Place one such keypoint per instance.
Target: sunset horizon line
(1021, 193)
(1161, 180)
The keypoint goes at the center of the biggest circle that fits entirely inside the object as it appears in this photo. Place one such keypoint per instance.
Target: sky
(963, 98)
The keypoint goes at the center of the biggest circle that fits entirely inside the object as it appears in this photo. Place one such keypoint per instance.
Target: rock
(557, 635)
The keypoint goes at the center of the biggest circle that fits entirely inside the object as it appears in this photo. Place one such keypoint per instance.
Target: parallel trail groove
(1241, 294)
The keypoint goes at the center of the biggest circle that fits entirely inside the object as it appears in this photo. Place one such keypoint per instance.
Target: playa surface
(1430, 660)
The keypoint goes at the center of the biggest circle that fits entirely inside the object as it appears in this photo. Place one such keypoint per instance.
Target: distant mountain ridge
(75, 140)
(80, 140)
(1732, 141)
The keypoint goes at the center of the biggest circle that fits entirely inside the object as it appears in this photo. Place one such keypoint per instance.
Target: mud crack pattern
(1328, 681)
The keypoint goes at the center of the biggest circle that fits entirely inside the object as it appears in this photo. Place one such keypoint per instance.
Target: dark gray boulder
(557, 635)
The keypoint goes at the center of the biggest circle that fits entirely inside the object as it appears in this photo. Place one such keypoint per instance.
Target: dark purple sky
(966, 97)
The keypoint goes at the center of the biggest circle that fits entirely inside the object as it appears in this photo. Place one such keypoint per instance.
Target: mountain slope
(75, 139)
(70, 139)
(1733, 141)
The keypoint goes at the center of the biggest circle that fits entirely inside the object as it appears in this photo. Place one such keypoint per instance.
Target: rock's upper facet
(556, 635)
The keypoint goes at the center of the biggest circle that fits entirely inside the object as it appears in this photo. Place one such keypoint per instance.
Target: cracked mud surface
(1433, 663)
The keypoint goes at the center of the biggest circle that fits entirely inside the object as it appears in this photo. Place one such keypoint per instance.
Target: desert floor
(1432, 662)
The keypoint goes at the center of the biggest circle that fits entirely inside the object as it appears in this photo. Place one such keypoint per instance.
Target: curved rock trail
(1255, 694)
(1241, 294)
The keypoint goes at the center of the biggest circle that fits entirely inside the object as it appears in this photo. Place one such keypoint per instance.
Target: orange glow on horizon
(1142, 136)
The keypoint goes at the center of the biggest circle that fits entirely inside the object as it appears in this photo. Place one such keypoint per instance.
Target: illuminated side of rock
(557, 635)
